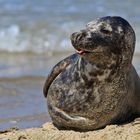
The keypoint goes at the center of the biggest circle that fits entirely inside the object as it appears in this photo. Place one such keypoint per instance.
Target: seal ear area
(129, 36)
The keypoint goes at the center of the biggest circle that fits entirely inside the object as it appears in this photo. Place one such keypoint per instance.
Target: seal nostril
(79, 37)
(73, 37)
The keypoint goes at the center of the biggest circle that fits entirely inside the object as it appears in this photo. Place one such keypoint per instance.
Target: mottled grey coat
(99, 85)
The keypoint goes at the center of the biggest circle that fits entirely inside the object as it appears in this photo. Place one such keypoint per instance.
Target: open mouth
(95, 51)
(80, 52)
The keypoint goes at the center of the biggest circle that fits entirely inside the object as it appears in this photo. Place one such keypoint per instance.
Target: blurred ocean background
(34, 36)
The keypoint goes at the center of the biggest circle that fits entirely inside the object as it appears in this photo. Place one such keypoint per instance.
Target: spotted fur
(99, 86)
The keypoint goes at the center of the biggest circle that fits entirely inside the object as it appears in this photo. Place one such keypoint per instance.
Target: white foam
(12, 39)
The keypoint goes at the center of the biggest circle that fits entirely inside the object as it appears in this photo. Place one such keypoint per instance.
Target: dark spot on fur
(93, 74)
(84, 77)
(101, 72)
(76, 76)
(89, 84)
(108, 80)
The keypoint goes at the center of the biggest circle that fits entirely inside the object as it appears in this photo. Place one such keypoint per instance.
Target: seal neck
(92, 71)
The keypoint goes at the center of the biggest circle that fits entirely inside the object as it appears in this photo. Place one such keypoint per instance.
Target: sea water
(34, 36)
(45, 25)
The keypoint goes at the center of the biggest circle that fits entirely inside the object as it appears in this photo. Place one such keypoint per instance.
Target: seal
(97, 85)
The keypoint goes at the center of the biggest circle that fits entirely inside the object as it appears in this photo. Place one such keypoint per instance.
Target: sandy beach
(130, 131)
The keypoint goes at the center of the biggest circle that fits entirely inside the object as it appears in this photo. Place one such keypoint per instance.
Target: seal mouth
(81, 52)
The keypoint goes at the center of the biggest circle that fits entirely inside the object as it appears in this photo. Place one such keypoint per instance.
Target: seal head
(106, 36)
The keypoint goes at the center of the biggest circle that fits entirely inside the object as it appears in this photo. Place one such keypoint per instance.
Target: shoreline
(130, 131)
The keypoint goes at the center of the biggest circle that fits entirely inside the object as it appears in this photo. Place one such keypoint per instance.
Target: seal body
(98, 85)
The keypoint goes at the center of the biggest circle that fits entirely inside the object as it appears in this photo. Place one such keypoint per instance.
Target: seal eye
(105, 31)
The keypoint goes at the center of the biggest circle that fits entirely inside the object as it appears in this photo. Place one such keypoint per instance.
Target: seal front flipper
(57, 69)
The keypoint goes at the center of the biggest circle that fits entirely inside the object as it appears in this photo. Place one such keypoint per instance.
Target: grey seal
(98, 85)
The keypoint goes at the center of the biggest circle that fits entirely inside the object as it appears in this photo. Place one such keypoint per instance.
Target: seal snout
(79, 39)
(78, 36)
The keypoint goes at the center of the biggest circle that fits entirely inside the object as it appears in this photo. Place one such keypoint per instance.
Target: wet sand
(22, 103)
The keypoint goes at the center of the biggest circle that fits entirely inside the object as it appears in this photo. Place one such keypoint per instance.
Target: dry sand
(130, 131)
